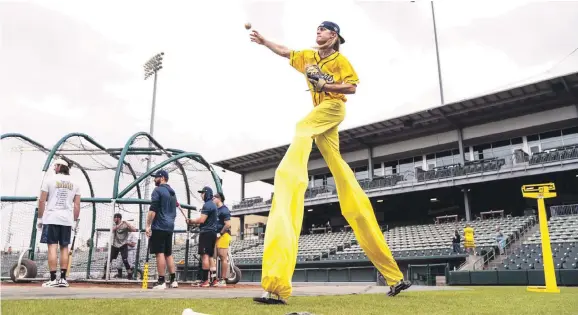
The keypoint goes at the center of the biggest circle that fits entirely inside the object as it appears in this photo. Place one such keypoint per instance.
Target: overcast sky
(77, 66)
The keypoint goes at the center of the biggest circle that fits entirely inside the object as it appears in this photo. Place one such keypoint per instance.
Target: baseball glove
(315, 76)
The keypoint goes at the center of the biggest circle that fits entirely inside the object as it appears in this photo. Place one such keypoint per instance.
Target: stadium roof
(530, 98)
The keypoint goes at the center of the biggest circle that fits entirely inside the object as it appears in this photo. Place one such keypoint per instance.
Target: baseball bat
(183, 213)
(72, 248)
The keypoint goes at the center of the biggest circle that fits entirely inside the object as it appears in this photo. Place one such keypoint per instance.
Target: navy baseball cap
(161, 173)
(205, 189)
(333, 27)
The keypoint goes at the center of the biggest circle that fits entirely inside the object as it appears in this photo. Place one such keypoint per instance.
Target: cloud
(55, 105)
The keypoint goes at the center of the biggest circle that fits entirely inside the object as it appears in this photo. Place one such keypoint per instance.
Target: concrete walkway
(187, 292)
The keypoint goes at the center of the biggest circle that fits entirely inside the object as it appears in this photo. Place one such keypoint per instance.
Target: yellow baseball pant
(286, 214)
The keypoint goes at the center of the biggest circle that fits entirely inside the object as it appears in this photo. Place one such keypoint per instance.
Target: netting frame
(173, 155)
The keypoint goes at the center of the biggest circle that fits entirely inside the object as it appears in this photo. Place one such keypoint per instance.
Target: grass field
(475, 300)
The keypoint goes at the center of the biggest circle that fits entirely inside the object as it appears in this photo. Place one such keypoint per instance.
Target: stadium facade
(516, 133)
(462, 162)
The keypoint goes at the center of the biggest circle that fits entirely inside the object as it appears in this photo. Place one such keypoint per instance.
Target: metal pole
(152, 126)
(152, 66)
(151, 131)
(437, 54)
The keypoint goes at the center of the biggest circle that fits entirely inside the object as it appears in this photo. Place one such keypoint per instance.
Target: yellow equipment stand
(541, 191)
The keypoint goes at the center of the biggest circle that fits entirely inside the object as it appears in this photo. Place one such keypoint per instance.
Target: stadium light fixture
(433, 199)
(380, 200)
(309, 210)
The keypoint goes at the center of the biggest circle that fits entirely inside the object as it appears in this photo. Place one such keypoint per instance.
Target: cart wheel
(27, 270)
(234, 276)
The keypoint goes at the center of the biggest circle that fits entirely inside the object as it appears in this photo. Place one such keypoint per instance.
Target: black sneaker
(398, 287)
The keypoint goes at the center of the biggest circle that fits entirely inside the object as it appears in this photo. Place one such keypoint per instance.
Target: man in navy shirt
(207, 232)
(160, 226)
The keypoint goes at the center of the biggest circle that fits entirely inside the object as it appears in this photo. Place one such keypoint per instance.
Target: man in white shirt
(58, 209)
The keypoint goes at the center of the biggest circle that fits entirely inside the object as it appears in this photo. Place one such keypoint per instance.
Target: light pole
(433, 15)
(152, 67)
(435, 31)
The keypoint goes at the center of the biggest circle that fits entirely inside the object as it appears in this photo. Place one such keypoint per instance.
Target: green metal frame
(192, 155)
(50, 153)
(173, 155)
(170, 153)
(101, 147)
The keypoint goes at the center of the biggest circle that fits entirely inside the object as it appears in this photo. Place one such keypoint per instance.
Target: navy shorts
(55, 234)
(207, 241)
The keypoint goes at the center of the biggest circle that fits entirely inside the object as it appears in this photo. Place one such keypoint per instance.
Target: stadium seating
(248, 202)
(563, 232)
(470, 167)
(414, 241)
(555, 155)
(454, 170)
(407, 241)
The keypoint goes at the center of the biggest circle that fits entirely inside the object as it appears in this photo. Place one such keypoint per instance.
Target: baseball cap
(205, 189)
(333, 27)
(61, 162)
(161, 173)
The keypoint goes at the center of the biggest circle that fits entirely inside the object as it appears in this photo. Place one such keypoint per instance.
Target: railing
(472, 169)
(564, 210)
(507, 250)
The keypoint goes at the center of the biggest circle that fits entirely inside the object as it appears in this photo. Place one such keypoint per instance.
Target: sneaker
(50, 284)
(159, 286)
(63, 283)
(174, 284)
(270, 298)
(215, 282)
(398, 287)
(221, 283)
(196, 283)
(205, 284)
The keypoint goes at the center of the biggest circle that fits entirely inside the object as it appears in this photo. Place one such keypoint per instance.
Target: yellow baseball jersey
(335, 68)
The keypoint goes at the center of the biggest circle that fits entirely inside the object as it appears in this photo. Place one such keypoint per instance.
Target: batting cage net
(113, 181)
(22, 160)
